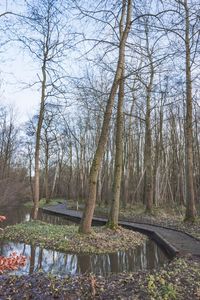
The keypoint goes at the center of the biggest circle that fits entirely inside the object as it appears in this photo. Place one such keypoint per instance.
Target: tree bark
(148, 180)
(148, 158)
(190, 202)
(47, 196)
(114, 209)
(37, 146)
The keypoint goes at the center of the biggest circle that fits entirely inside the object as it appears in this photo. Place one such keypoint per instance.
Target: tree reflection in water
(147, 256)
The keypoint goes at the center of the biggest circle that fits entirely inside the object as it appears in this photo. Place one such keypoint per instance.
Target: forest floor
(167, 217)
(43, 202)
(180, 279)
(172, 217)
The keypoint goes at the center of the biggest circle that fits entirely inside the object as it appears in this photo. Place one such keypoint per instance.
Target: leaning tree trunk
(85, 226)
(37, 147)
(190, 202)
(114, 209)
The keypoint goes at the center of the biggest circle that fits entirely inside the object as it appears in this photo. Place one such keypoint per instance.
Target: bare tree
(114, 209)
(86, 221)
(47, 47)
(190, 208)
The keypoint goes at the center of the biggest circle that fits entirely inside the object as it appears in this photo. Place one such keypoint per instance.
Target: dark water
(147, 256)
(144, 257)
(20, 214)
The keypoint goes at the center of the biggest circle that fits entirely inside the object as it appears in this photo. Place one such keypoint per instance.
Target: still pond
(147, 256)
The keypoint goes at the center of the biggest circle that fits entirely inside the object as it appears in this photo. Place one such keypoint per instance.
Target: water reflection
(53, 219)
(14, 215)
(148, 256)
(20, 214)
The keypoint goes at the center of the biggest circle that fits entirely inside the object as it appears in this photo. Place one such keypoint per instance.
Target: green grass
(43, 202)
(40, 233)
(66, 238)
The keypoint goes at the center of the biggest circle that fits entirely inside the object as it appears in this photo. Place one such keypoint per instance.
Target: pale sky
(16, 71)
(15, 93)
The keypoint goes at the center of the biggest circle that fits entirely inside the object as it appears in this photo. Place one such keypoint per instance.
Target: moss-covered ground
(66, 238)
(43, 202)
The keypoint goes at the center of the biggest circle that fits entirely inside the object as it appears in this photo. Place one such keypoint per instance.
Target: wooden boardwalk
(173, 241)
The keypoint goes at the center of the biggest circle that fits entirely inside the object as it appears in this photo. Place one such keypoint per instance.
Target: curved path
(173, 241)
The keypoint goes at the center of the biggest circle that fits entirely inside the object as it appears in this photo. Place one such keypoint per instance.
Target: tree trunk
(54, 179)
(190, 202)
(114, 209)
(148, 180)
(99, 188)
(148, 158)
(85, 226)
(37, 147)
(47, 196)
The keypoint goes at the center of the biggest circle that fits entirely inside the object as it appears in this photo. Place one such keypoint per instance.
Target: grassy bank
(66, 238)
(43, 202)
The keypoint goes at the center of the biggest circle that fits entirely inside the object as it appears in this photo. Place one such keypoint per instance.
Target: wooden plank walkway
(173, 241)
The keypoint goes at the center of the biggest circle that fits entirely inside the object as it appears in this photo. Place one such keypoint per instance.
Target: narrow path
(174, 241)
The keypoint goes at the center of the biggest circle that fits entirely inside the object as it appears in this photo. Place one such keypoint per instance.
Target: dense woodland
(122, 121)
